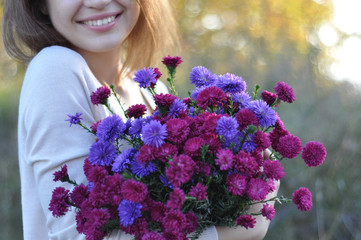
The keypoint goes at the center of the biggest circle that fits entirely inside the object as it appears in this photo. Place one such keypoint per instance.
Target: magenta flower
(178, 130)
(172, 62)
(314, 153)
(192, 146)
(153, 236)
(246, 117)
(224, 159)
(236, 184)
(93, 227)
(62, 174)
(100, 96)
(176, 199)
(79, 194)
(273, 169)
(180, 170)
(59, 203)
(136, 111)
(257, 189)
(262, 140)
(285, 92)
(164, 100)
(174, 220)
(268, 211)
(246, 221)
(210, 97)
(289, 146)
(94, 126)
(303, 199)
(198, 191)
(134, 191)
(268, 97)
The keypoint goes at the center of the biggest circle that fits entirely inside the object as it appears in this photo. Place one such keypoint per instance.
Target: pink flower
(236, 184)
(176, 199)
(303, 199)
(180, 170)
(198, 191)
(246, 164)
(93, 226)
(136, 111)
(59, 203)
(192, 222)
(178, 130)
(164, 100)
(268, 97)
(134, 191)
(147, 154)
(268, 211)
(257, 189)
(94, 126)
(153, 236)
(289, 146)
(273, 169)
(210, 97)
(61, 175)
(262, 140)
(224, 159)
(246, 117)
(157, 211)
(285, 92)
(246, 221)
(79, 194)
(174, 220)
(278, 132)
(166, 151)
(314, 153)
(100, 96)
(172, 62)
(192, 146)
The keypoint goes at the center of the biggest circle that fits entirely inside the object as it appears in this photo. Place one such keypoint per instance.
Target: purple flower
(136, 127)
(289, 146)
(314, 153)
(227, 127)
(122, 161)
(59, 203)
(172, 62)
(176, 199)
(142, 169)
(145, 77)
(74, 119)
(110, 128)
(257, 189)
(248, 144)
(303, 199)
(236, 184)
(154, 133)
(93, 226)
(246, 117)
(210, 97)
(134, 191)
(166, 182)
(198, 191)
(268, 211)
(285, 92)
(79, 194)
(61, 175)
(201, 76)
(246, 221)
(224, 159)
(268, 97)
(242, 99)
(273, 169)
(180, 170)
(231, 83)
(262, 140)
(100, 96)
(153, 236)
(136, 111)
(267, 117)
(196, 91)
(129, 212)
(177, 107)
(102, 153)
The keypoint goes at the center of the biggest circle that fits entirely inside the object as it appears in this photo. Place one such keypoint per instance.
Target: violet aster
(102, 153)
(231, 83)
(129, 212)
(145, 77)
(227, 126)
(110, 128)
(267, 117)
(154, 133)
(74, 119)
(201, 76)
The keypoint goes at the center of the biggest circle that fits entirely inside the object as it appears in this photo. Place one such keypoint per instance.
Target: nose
(98, 4)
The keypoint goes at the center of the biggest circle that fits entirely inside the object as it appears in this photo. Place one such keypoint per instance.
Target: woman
(74, 47)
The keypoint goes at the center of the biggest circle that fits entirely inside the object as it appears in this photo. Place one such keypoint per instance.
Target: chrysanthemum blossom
(100, 96)
(268, 211)
(129, 212)
(257, 189)
(303, 199)
(289, 146)
(268, 97)
(59, 203)
(145, 77)
(285, 92)
(231, 83)
(178, 130)
(224, 159)
(246, 117)
(154, 133)
(74, 119)
(210, 97)
(314, 153)
(61, 175)
(246, 221)
(134, 191)
(198, 191)
(201, 76)
(136, 111)
(273, 169)
(236, 184)
(172, 62)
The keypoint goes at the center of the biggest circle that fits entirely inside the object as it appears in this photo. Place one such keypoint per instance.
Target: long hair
(27, 29)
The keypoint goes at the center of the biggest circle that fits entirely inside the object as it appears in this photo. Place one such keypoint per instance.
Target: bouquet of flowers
(194, 163)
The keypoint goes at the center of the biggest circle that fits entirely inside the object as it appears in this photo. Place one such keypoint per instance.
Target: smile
(100, 22)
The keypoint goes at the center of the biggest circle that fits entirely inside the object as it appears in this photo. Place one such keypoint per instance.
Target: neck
(105, 65)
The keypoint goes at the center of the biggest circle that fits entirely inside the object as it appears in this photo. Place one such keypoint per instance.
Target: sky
(347, 63)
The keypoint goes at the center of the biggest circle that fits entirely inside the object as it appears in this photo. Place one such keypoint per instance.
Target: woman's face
(94, 25)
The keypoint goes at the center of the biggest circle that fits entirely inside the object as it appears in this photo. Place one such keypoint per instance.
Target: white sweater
(57, 82)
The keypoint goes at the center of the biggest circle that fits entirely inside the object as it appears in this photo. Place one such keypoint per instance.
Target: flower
(268, 97)
(302, 198)
(154, 133)
(136, 111)
(266, 115)
(227, 127)
(245, 118)
(94, 126)
(145, 77)
(210, 97)
(134, 191)
(201, 76)
(153, 236)
(257, 189)
(236, 184)
(174, 220)
(74, 119)
(314, 153)
(177, 108)
(59, 203)
(172, 62)
(100, 96)
(176, 198)
(289, 146)
(61, 175)
(273, 169)
(129, 212)
(268, 211)
(102, 153)
(142, 169)
(231, 83)
(242, 99)
(198, 191)
(224, 159)
(262, 140)
(79, 194)
(164, 100)
(246, 221)
(177, 130)
(110, 128)
(136, 127)
(123, 160)
(285, 92)
(180, 170)
(95, 221)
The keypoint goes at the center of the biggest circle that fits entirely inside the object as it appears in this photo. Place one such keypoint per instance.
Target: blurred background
(314, 45)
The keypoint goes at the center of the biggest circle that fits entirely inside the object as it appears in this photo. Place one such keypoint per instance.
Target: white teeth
(100, 22)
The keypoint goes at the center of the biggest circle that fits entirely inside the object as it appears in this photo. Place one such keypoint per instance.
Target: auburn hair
(27, 29)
